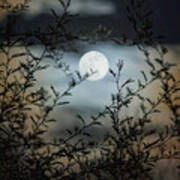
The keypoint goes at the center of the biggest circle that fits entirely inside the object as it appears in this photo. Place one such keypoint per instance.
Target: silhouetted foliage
(125, 152)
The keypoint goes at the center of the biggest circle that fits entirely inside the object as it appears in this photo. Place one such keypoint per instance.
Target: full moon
(95, 64)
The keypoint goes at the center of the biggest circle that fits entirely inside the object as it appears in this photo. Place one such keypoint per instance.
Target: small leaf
(62, 103)
(96, 123)
(54, 91)
(81, 118)
(54, 13)
(144, 75)
(159, 61)
(150, 64)
(69, 131)
(149, 101)
(18, 55)
(143, 108)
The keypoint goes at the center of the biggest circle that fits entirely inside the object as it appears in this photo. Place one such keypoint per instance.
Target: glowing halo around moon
(95, 64)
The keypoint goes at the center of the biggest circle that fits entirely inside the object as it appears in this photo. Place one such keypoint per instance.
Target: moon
(95, 64)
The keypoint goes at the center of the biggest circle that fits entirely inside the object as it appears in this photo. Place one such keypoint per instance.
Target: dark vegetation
(24, 113)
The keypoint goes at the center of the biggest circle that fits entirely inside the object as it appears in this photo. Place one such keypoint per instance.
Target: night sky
(91, 97)
(111, 13)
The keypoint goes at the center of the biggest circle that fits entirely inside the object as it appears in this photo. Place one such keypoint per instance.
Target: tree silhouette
(125, 152)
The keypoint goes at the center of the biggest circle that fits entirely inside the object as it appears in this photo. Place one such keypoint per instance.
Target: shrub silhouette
(125, 152)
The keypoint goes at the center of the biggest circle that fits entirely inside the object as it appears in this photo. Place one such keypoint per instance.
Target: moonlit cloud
(84, 7)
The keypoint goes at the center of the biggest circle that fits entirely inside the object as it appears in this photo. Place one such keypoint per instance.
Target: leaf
(49, 56)
(112, 72)
(140, 85)
(156, 111)
(81, 118)
(18, 55)
(62, 103)
(150, 64)
(51, 120)
(144, 75)
(159, 61)
(72, 83)
(78, 75)
(67, 94)
(54, 91)
(69, 131)
(15, 69)
(149, 101)
(40, 132)
(117, 41)
(143, 108)
(62, 3)
(93, 118)
(34, 121)
(140, 97)
(43, 67)
(54, 13)
(86, 134)
(96, 123)
(164, 50)
(130, 93)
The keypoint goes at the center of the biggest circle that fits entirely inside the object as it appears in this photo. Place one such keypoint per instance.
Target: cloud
(85, 7)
